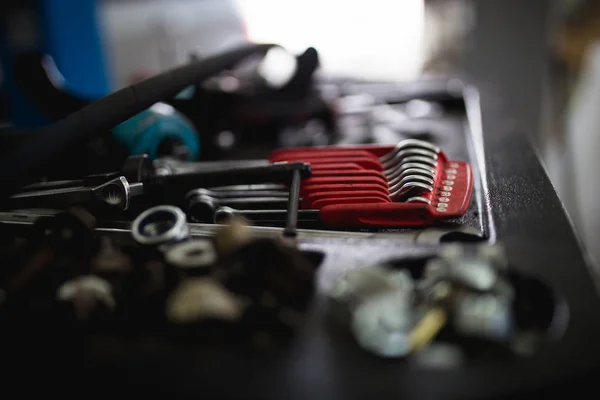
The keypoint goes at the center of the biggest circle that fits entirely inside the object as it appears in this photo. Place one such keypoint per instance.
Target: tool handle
(310, 200)
(337, 166)
(365, 162)
(346, 180)
(306, 190)
(176, 184)
(377, 215)
(318, 204)
(317, 173)
(334, 153)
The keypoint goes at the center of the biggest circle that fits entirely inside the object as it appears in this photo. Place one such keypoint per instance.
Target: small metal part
(382, 323)
(410, 189)
(409, 179)
(399, 157)
(224, 215)
(159, 225)
(199, 299)
(138, 167)
(407, 144)
(232, 236)
(486, 316)
(87, 294)
(193, 254)
(380, 301)
(202, 207)
(473, 269)
(115, 193)
(251, 187)
(228, 194)
(402, 177)
(418, 199)
(427, 328)
(291, 221)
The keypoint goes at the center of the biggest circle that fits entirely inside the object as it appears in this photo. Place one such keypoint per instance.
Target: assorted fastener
(465, 291)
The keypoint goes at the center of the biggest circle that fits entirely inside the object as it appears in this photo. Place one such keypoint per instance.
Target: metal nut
(160, 225)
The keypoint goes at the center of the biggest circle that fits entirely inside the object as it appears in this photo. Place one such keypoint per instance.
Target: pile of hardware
(230, 286)
(465, 294)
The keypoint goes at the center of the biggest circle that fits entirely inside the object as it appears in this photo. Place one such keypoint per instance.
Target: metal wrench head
(409, 165)
(411, 171)
(399, 157)
(230, 194)
(424, 161)
(410, 189)
(411, 178)
(117, 193)
(409, 144)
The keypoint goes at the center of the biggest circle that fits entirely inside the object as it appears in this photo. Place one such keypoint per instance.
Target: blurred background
(541, 57)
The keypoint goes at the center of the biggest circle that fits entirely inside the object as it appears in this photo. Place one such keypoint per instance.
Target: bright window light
(375, 39)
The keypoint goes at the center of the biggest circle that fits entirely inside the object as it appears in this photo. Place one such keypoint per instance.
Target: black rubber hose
(27, 160)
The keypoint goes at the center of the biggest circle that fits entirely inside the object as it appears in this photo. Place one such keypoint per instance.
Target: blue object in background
(71, 36)
(145, 132)
(67, 30)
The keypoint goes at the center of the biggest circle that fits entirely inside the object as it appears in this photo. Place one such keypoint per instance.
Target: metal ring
(159, 225)
(192, 254)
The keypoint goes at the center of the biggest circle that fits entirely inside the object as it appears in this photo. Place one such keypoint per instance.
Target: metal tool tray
(514, 203)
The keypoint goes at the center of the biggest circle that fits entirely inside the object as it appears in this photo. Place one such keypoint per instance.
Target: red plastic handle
(365, 162)
(346, 180)
(337, 167)
(361, 173)
(453, 190)
(375, 149)
(335, 153)
(377, 215)
(308, 202)
(305, 190)
(319, 204)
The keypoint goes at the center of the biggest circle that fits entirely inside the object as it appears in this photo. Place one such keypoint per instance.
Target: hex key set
(298, 321)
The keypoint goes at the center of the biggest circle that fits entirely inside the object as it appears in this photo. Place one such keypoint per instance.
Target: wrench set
(410, 184)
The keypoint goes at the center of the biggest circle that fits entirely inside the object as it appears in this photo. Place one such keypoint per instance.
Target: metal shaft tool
(118, 191)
